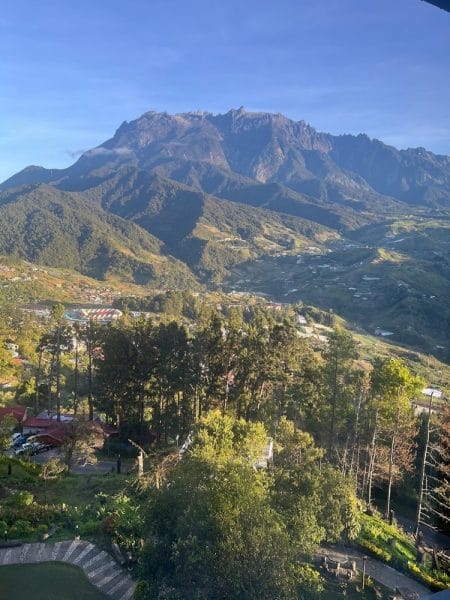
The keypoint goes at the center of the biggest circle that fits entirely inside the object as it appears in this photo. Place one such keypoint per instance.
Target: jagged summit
(222, 153)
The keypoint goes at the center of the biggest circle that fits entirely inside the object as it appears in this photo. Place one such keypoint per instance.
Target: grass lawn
(48, 581)
(78, 490)
(72, 489)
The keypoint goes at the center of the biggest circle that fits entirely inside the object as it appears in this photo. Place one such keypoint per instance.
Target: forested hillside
(261, 445)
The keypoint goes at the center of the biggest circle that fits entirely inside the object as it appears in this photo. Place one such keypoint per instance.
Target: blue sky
(72, 70)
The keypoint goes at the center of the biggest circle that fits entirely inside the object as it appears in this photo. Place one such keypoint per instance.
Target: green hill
(61, 229)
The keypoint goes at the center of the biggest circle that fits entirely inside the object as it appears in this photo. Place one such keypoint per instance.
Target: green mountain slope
(209, 234)
(60, 229)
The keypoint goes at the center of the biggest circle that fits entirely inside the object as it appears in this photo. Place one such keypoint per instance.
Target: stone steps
(77, 552)
(123, 589)
(100, 568)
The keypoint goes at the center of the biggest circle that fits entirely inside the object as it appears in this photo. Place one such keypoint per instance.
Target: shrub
(21, 499)
(375, 550)
(21, 528)
(429, 579)
(89, 528)
(310, 581)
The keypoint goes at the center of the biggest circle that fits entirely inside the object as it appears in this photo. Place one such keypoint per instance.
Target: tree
(212, 530)
(58, 316)
(125, 367)
(318, 503)
(433, 501)
(91, 336)
(393, 386)
(338, 362)
(80, 441)
(55, 342)
(50, 470)
(171, 374)
(7, 426)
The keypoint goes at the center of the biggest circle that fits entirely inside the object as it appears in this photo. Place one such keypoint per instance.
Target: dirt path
(375, 569)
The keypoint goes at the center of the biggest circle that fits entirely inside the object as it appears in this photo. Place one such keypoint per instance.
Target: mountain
(196, 198)
(61, 229)
(222, 153)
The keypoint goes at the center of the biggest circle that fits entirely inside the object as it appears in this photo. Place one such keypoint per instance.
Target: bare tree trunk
(76, 377)
(50, 383)
(355, 442)
(422, 469)
(38, 382)
(373, 449)
(90, 398)
(333, 410)
(58, 374)
(391, 467)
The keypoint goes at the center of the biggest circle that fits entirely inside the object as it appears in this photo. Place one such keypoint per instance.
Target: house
(54, 436)
(33, 425)
(18, 412)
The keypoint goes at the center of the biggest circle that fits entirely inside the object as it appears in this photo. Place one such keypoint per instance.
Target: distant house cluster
(44, 428)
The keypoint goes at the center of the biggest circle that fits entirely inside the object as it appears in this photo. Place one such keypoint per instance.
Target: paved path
(375, 569)
(432, 537)
(101, 570)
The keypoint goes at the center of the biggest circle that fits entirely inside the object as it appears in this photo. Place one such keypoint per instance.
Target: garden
(99, 507)
(391, 545)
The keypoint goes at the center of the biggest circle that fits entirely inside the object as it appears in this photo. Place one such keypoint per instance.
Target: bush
(310, 581)
(21, 528)
(375, 550)
(429, 579)
(21, 499)
(89, 528)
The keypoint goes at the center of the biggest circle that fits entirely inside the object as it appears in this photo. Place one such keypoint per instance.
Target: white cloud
(101, 150)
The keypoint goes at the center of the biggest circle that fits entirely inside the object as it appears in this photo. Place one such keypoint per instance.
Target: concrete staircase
(99, 567)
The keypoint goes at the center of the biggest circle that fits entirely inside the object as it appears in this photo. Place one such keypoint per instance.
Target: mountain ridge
(266, 148)
(253, 202)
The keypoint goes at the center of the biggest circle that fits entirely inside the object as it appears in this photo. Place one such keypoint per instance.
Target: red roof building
(54, 437)
(18, 412)
(36, 425)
